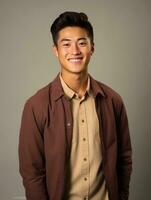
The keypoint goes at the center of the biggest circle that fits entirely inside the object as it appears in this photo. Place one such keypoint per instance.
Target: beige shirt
(85, 175)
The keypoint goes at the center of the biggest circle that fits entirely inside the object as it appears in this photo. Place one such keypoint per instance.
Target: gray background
(122, 60)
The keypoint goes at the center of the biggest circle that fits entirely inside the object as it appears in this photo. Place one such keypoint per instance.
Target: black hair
(71, 19)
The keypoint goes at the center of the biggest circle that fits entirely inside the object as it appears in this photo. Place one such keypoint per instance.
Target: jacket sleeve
(31, 154)
(124, 161)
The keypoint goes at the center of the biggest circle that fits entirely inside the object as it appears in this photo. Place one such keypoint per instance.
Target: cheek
(62, 56)
(89, 54)
(62, 53)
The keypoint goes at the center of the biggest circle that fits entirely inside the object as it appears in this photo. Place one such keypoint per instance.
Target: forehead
(72, 33)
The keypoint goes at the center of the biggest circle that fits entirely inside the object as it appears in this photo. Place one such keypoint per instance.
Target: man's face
(73, 50)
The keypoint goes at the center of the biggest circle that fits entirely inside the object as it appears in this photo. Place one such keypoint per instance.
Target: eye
(82, 43)
(66, 44)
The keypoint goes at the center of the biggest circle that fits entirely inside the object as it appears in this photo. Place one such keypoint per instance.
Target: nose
(75, 50)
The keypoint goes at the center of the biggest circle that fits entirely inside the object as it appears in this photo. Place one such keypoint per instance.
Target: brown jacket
(45, 142)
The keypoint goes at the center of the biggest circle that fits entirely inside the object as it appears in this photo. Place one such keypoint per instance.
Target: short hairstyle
(71, 19)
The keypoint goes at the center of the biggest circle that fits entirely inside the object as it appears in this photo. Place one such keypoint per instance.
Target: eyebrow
(68, 40)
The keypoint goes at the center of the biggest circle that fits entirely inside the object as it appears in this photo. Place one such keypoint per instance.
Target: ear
(92, 48)
(55, 50)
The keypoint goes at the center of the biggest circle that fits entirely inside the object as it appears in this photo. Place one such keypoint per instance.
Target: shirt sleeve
(31, 154)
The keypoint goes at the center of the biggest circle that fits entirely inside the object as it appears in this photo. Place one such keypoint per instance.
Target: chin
(78, 71)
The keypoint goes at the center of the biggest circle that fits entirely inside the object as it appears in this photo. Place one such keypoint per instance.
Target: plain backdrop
(122, 60)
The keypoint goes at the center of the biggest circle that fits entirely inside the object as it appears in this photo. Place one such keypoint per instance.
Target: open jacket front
(46, 135)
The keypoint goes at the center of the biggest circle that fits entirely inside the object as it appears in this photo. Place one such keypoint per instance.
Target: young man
(74, 137)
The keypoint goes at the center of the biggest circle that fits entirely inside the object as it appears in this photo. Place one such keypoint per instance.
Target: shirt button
(85, 179)
(84, 139)
(85, 159)
(82, 120)
(68, 124)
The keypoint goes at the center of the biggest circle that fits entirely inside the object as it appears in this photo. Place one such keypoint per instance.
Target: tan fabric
(85, 178)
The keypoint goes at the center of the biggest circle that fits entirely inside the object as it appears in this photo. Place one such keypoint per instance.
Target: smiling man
(74, 138)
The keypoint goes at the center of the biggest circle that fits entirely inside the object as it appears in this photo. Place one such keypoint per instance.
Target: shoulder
(36, 107)
(40, 98)
(40, 102)
(106, 91)
(109, 96)
(110, 93)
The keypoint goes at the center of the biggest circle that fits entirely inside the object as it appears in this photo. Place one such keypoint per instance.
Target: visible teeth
(75, 59)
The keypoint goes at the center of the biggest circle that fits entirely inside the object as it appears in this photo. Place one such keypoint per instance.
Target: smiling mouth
(75, 59)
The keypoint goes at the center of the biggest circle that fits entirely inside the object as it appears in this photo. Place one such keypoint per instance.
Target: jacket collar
(96, 87)
(57, 90)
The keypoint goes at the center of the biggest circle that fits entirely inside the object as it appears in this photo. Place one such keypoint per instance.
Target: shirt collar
(69, 92)
(57, 90)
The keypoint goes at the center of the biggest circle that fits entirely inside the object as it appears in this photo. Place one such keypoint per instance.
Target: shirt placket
(83, 129)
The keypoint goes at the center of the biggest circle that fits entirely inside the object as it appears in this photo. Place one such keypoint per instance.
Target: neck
(77, 82)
